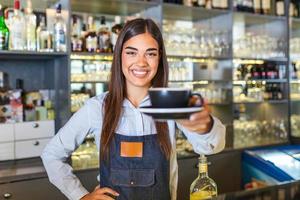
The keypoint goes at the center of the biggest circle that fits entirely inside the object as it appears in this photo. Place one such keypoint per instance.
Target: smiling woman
(137, 154)
(140, 57)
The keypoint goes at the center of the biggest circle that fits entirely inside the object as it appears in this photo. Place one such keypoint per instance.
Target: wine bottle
(203, 187)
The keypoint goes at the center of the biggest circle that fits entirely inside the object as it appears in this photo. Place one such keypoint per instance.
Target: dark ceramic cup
(172, 97)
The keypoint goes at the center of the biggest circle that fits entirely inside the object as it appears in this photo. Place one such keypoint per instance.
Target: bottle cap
(17, 4)
(117, 19)
(58, 8)
(102, 19)
(1, 11)
(28, 9)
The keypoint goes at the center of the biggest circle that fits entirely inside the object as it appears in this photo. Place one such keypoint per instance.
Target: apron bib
(137, 169)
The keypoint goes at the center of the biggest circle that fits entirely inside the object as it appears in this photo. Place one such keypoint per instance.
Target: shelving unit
(53, 70)
(41, 70)
(218, 74)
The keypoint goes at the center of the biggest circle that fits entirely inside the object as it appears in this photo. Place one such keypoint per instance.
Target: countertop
(32, 168)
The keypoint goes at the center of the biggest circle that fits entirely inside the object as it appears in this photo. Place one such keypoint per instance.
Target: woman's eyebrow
(132, 48)
(135, 49)
(152, 49)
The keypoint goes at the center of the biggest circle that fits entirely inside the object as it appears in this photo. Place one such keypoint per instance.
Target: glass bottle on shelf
(203, 187)
(280, 7)
(292, 9)
(76, 42)
(217, 4)
(83, 33)
(104, 39)
(4, 31)
(201, 3)
(266, 7)
(44, 38)
(188, 2)
(115, 29)
(30, 20)
(208, 4)
(91, 36)
(297, 8)
(59, 31)
(257, 5)
(17, 29)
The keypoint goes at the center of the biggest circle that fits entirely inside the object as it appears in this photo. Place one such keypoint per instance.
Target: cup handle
(200, 97)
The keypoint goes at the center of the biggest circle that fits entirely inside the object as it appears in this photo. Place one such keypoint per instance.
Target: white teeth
(139, 73)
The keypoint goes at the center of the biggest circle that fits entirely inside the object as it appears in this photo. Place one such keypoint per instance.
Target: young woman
(137, 155)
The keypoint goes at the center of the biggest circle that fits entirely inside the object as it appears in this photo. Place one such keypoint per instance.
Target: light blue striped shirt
(132, 123)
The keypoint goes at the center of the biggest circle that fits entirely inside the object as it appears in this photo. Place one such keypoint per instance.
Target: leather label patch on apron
(132, 149)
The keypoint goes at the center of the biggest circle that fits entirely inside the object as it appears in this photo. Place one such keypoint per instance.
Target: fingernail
(192, 117)
(117, 194)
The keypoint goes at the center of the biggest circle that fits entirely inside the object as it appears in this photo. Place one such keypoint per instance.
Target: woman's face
(140, 58)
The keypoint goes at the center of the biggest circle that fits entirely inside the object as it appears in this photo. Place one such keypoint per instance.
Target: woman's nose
(142, 60)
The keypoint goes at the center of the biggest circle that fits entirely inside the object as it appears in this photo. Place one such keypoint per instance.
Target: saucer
(169, 113)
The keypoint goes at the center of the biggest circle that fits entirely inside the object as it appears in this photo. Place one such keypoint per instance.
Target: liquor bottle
(4, 32)
(188, 2)
(292, 9)
(104, 37)
(216, 4)
(266, 7)
(203, 187)
(297, 8)
(280, 7)
(30, 20)
(201, 3)
(17, 29)
(83, 33)
(224, 4)
(59, 31)
(76, 42)
(294, 74)
(245, 5)
(44, 38)
(219, 4)
(195, 3)
(257, 5)
(91, 36)
(208, 4)
(116, 29)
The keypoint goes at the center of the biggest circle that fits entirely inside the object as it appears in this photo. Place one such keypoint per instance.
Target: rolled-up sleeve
(60, 147)
(209, 143)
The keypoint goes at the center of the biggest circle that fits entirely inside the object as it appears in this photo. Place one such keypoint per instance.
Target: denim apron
(137, 178)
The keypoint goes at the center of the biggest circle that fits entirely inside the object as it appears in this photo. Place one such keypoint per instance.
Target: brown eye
(151, 55)
(130, 53)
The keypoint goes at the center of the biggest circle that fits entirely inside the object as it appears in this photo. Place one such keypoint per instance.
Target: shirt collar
(144, 102)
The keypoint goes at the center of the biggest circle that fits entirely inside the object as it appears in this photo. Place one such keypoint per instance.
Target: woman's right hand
(100, 194)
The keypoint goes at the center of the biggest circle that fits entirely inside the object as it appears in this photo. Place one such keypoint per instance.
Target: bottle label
(17, 35)
(201, 3)
(61, 36)
(256, 4)
(216, 3)
(280, 8)
(292, 10)
(224, 4)
(91, 44)
(266, 4)
(202, 168)
(3, 41)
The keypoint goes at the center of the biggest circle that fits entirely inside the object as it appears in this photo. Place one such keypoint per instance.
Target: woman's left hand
(200, 122)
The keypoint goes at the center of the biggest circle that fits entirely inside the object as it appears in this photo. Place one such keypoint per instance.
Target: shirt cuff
(209, 143)
(78, 193)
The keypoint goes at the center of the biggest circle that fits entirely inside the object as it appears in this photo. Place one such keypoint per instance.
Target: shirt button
(131, 182)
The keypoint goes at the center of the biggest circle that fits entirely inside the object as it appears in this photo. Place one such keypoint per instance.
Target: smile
(140, 73)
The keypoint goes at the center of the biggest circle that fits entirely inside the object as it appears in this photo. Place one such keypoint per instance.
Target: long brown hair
(117, 86)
